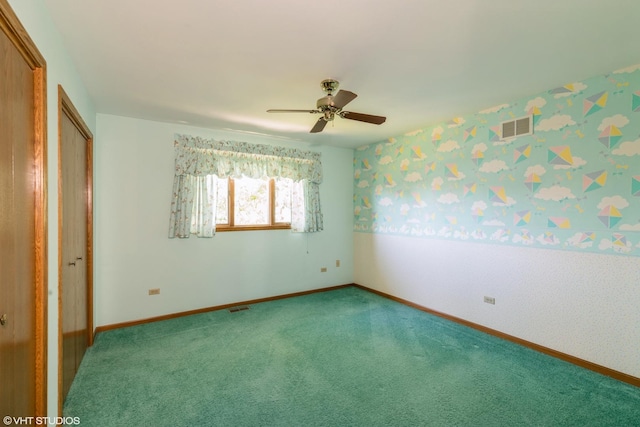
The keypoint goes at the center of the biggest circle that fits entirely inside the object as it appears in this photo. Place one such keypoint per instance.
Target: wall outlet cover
(490, 300)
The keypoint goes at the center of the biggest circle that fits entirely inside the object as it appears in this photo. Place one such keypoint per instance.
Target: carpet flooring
(345, 357)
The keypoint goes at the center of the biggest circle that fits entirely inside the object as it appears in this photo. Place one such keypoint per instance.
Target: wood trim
(231, 187)
(225, 228)
(15, 31)
(272, 201)
(60, 218)
(65, 105)
(66, 108)
(104, 328)
(620, 376)
(90, 240)
(41, 237)
(13, 28)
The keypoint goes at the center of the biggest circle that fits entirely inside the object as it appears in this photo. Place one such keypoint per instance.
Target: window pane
(251, 204)
(222, 210)
(283, 200)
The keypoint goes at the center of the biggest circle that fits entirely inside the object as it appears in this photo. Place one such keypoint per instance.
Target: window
(253, 204)
(202, 203)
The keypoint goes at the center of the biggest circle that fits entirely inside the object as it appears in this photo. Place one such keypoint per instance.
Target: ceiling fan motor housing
(326, 103)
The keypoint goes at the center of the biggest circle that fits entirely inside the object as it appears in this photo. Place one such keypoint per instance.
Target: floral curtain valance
(200, 157)
(198, 160)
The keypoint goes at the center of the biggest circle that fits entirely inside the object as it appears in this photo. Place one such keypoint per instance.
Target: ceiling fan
(330, 106)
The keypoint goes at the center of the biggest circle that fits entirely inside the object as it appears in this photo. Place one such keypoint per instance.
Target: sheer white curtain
(198, 161)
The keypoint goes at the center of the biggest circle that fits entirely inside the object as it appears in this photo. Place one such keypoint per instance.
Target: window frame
(231, 226)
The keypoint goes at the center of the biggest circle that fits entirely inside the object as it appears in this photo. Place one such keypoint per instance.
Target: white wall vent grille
(517, 127)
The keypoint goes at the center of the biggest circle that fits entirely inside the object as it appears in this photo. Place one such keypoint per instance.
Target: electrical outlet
(490, 300)
(323, 269)
(337, 263)
(155, 291)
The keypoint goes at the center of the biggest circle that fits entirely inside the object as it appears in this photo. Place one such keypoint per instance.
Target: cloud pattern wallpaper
(573, 184)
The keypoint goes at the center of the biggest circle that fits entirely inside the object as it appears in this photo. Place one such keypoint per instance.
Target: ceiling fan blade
(367, 118)
(293, 111)
(320, 124)
(342, 98)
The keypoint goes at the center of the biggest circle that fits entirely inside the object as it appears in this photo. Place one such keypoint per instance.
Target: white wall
(60, 70)
(134, 178)
(582, 304)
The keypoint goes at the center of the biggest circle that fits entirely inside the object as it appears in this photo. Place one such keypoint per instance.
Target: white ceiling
(222, 64)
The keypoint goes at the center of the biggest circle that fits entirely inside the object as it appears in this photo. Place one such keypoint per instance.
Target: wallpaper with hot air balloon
(573, 184)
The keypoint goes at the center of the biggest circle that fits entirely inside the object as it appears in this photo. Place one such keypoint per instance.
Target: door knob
(3, 319)
(72, 263)
(79, 258)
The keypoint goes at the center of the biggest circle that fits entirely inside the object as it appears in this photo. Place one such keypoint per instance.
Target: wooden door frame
(66, 108)
(11, 26)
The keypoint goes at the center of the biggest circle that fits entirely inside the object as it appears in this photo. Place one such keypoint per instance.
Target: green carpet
(340, 358)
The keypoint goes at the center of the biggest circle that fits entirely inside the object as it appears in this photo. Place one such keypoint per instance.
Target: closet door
(21, 230)
(16, 233)
(75, 262)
